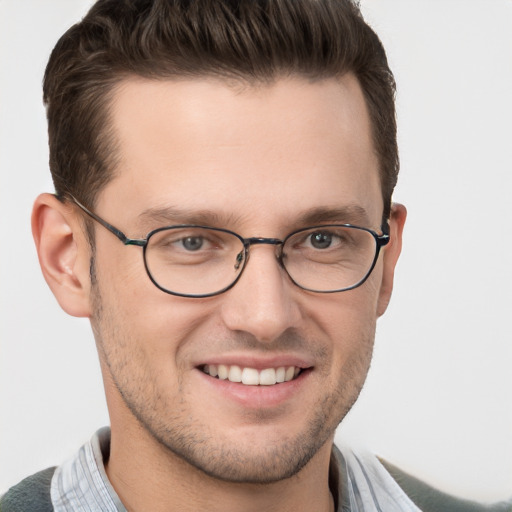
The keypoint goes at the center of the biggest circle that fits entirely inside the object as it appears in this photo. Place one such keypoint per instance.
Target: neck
(146, 476)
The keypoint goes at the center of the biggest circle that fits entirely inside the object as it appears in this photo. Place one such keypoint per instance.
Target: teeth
(268, 377)
(223, 371)
(251, 376)
(235, 374)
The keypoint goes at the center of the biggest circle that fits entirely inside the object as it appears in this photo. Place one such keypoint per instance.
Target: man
(197, 135)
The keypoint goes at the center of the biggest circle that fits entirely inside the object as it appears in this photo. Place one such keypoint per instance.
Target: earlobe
(63, 253)
(391, 254)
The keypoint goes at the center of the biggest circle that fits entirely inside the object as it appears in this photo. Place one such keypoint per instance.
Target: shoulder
(361, 481)
(31, 495)
(429, 499)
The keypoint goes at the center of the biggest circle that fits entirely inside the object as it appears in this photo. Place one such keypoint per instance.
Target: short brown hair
(248, 40)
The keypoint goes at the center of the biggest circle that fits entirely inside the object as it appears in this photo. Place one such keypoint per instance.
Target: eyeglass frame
(380, 241)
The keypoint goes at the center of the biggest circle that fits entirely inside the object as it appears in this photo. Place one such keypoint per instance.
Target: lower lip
(257, 397)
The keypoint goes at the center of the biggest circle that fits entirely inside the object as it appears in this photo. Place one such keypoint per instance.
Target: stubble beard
(180, 435)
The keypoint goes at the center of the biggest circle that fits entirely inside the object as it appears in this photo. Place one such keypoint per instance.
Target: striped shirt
(358, 482)
(81, 483)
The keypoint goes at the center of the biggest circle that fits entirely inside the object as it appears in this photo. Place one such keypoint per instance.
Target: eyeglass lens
(200, 261)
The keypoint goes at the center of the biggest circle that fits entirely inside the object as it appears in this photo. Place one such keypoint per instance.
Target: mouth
(251, 376)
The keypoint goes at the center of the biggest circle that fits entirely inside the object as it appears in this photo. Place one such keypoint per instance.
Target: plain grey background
(438, 401)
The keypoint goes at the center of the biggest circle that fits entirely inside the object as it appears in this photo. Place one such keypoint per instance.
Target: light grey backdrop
(438, 400)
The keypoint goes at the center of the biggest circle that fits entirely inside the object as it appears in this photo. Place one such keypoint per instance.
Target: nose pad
(240, 259)
(280, 256)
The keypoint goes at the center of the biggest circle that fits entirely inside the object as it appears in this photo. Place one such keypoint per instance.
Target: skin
(249, 160)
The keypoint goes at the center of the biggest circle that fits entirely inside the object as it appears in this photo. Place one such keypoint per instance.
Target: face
(261, 161)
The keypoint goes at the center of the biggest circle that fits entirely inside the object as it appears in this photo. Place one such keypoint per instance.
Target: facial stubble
(170, 422)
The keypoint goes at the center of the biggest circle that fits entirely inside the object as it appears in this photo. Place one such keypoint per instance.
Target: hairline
(235, 81)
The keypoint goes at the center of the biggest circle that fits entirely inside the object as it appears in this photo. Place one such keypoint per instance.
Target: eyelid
(297, 232)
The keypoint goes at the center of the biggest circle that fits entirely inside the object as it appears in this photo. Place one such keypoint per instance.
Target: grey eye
(321, 240)
(192, 243)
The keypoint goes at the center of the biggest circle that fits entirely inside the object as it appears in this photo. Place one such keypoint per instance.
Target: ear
(64, 253)
(391, 253)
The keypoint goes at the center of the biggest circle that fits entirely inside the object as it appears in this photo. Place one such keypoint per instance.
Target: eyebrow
(170, 215)
(349, 214)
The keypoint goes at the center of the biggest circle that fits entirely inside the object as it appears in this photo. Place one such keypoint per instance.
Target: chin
(237, 465)
(259, 454)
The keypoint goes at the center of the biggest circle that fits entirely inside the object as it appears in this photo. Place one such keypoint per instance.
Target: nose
(263, 302)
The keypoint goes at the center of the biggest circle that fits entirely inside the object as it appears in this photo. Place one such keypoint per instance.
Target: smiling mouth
(252, 376)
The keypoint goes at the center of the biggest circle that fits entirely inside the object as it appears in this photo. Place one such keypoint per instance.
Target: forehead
(246, 153)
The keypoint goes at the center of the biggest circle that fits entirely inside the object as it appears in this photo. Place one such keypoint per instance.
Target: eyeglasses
(201, 261)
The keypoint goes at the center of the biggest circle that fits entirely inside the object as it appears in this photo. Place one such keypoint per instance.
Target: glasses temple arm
(119, 234)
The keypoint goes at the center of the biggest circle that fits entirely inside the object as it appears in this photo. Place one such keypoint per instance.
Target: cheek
(351, 311)
(348, 320)
(143, 332)
(145, 310)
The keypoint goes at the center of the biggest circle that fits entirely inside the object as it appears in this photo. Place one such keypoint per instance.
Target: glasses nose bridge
(261, 241)
(256, 240)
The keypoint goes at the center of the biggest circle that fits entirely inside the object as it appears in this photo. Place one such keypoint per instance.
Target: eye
(187, 241)
(321, 240)
(192, 243)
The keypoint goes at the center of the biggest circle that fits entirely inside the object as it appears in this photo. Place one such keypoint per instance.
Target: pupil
(192, 243)
(321, 240)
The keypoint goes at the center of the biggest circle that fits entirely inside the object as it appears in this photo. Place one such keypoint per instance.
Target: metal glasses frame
(380, 241)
